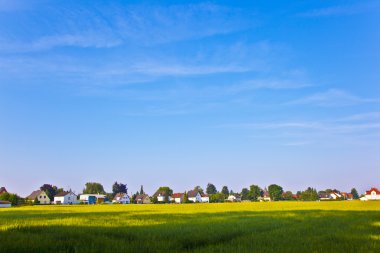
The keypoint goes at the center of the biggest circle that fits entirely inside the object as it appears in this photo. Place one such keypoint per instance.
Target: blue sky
(186, 93)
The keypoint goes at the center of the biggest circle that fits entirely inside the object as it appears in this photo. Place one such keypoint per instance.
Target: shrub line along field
(349, 226)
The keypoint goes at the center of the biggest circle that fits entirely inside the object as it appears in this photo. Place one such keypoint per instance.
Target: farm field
(229, 227)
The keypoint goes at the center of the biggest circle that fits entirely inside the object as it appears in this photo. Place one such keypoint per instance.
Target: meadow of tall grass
(341, 226)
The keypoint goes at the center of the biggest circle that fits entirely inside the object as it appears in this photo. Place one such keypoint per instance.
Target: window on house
(44, 197)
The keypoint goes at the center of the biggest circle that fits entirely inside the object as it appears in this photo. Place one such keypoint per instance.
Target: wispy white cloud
(341, 10)
(332, 97)
(109, 25)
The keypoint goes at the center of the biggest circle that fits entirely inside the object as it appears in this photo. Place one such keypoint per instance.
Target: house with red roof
(347, 196)
(373, 194)
(177, 197)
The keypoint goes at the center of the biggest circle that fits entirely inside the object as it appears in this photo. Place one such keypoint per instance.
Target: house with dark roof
(40, 196)
(194, 196)
(66, 198)
(3, 190)
(142, 199)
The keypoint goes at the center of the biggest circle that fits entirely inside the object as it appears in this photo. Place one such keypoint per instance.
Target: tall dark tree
(275, 192)
(142, 190)
(198, 189)
(225, 191)
(354, 193)
(254, 192)
(211, 189)
(244, 194)
(119, 188)
(51, 190)
(92, 187)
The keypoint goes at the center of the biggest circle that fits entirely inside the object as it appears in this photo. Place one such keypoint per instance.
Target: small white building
(4, 204)
(194, 196)
(205, 198)
(66, 198)
(41, 197)
(161, 196)
(121, 198)
(234, 198)
(373, 194)
(177, 197)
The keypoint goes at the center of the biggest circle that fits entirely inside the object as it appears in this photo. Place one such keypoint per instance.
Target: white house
(373, 194)
(92, 198)
(234, 198)
(177, 197)
(121, 198)
(66, 198)
(161, 196)
(41, 196)
(335, 195)
(4, 204)
(205, 198)
(194, 196)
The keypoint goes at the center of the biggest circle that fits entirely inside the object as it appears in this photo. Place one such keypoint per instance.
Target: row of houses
(336, 196)
(68, 197)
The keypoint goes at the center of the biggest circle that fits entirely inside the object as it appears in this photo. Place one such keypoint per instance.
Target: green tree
(119, 188)
(275, 192)
(354, 193)
(10, 197)
(225, 191)
(217, 198)
(154, 200)
(198, 189)
(288, 195)
(51, 190)
(254, 192)
(310, 194)
(244, 194)
(211, 189)
(92, 187)
(166, 191)
(185, 199)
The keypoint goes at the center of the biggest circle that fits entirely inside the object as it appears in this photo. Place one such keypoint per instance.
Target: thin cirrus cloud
(112, 25)
(341, 10)
(332, 98)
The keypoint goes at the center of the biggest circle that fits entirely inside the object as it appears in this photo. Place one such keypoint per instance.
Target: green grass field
(236, 227)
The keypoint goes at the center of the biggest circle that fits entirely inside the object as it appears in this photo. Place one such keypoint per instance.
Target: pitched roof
(192, 194)
(2, 190)
(34, 194)
(62, 194)
(141, 196)
(177, 195)
(204, 195)
(372, 189)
